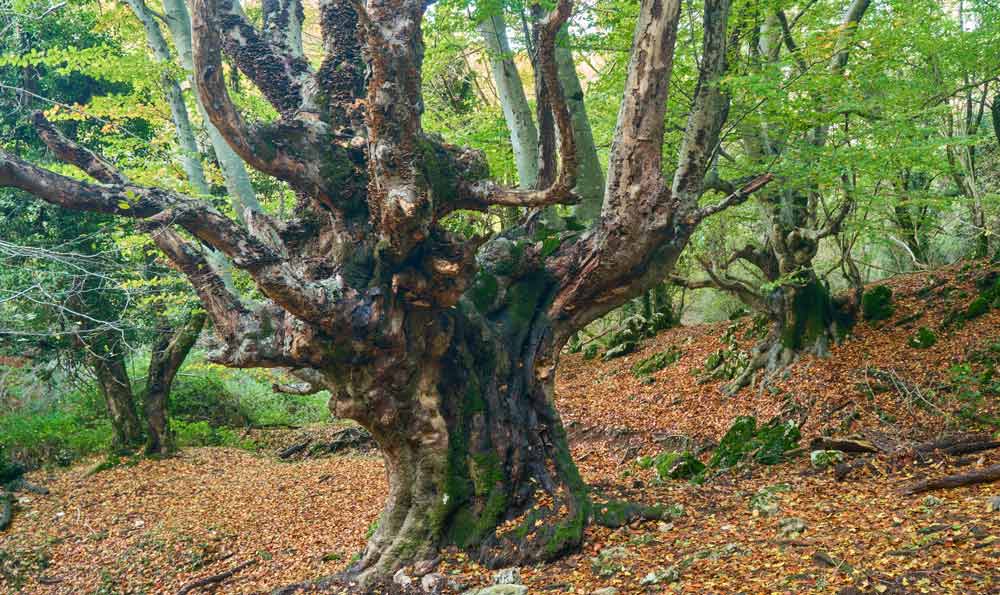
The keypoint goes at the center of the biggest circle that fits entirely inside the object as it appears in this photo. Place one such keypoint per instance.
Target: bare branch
(736, 198)
(69, 152)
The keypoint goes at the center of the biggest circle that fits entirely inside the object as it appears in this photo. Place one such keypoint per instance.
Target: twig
(215, 578)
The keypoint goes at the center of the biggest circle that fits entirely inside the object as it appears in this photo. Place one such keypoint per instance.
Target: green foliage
(190, 434)
(58, 433)
(205, 397)
(656, 362)
(923, 338)
(876, 303)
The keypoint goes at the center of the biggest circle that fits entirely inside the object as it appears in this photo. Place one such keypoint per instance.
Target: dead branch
(214, 579)
(294, 449)
(987, 475)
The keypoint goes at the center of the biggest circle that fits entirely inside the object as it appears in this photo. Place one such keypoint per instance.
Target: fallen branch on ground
(214, 579)
(987, 475)
(294, 449)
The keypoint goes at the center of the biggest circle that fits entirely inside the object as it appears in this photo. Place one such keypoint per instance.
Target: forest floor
(153, 526)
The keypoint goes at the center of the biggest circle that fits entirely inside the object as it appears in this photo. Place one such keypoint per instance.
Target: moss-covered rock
(923, 338)
(656, 362)
(623, 348)
(876, 303)
(978, 307)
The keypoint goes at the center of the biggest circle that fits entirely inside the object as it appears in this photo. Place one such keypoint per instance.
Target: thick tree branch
(273, 61)
(300, 151)
(68, 152)
(709, 109)
(330, 308)
(341, 76)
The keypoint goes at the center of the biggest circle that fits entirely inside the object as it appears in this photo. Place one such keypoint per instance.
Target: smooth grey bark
(516, 111)
(590, 176)
(190, 156)
(234, 171)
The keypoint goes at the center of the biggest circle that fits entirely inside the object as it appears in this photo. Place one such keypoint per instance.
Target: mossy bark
(472, 442)
(805, 319)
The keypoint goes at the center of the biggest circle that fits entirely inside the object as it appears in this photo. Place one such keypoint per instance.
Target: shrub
(205, 397)
(876, 303)
(923, 338)
(202, 434)
(34, 438)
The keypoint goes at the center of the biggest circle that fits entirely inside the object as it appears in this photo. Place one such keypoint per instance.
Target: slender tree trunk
(590, 179)
(190, 156)
(516, 111)
(238, 184)
(169, 352)
(108, 363)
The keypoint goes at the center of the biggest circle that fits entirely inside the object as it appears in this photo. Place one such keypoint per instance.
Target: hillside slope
(787, 528)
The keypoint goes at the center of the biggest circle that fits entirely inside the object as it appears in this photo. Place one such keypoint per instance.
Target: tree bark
(107, 360)
(168, 354)
(483, 446)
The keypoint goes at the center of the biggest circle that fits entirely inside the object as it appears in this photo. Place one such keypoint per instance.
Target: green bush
(923, 338)
(876, 303)
(35, 438)
(205, 397)
(201, 433)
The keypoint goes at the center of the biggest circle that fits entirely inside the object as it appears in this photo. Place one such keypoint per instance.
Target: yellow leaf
(124, 205)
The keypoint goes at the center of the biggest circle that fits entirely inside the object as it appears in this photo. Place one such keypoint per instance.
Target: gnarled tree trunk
(443, 347)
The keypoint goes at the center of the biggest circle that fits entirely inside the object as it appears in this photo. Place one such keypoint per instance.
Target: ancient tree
(443, 347)
(803, 316)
